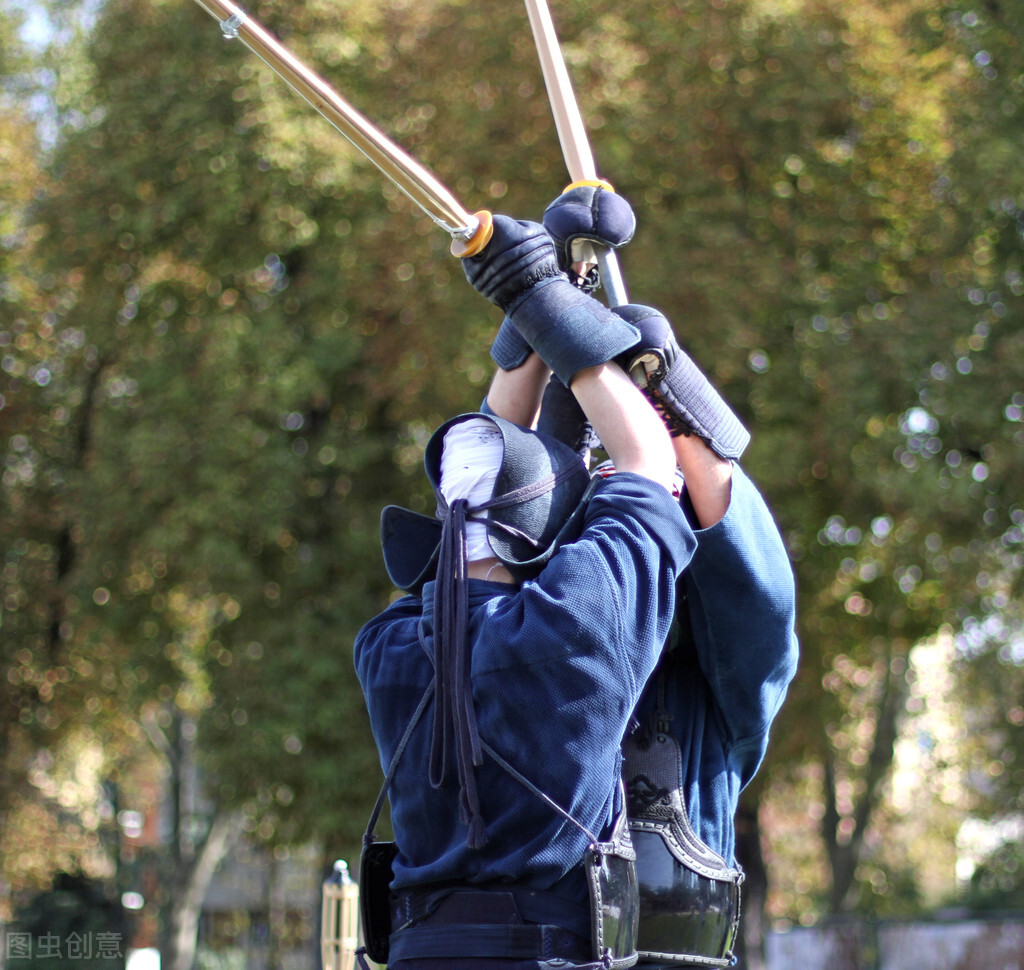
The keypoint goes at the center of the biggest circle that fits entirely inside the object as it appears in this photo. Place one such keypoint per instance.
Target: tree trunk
(275, 914)
(750, 946)
(844, 853)
(185, 909)
(189, 866)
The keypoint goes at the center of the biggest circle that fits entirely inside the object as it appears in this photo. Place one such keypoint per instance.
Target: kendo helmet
(536, 506)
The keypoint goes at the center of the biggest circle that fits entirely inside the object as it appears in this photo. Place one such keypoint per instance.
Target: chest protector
(689, 895)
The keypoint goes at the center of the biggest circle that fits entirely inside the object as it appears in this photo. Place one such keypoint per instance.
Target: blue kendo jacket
(558, 670)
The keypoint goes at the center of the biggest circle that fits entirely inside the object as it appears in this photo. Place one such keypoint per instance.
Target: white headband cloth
(470, 459)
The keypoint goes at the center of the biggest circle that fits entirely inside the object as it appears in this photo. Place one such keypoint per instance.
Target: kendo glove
(509, 349)
(591, 212)
(518, 272)
(595, 213)
(677, 388)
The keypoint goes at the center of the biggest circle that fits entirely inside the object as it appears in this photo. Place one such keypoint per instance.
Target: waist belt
(512, 924)
(465, 904)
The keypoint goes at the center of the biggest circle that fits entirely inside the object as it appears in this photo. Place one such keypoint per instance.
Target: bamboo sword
(572, 134)
(469, 232)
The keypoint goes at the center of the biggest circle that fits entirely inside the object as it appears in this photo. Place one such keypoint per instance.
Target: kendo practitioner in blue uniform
(531, 648)
(703, 722)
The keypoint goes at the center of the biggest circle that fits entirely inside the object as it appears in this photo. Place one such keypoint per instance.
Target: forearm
(630, 430)
(515, 395)
(708, 478)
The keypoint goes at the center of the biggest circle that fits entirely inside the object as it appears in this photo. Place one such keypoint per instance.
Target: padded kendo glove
(518, 271)
(591, 212)
(676, 387)
(588, 212)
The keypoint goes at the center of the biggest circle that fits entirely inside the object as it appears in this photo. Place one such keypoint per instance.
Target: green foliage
(998, 884)
(225, 343)
(26, 564)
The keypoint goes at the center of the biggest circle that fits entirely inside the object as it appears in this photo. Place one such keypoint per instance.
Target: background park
(224, 341)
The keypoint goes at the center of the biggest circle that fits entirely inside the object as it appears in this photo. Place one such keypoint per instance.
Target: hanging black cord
(455, 720)
(454, 714)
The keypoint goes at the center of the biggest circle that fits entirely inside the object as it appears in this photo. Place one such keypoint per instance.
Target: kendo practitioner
(702, 725)
(501, 690)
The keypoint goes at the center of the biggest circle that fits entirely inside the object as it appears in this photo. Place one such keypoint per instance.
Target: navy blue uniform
(558, 668)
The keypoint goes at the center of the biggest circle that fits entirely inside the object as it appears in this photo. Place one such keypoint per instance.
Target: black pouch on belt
(375, 875)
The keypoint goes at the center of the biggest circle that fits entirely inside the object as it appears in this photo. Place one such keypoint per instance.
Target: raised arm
(708, 479)
(630, 431)
(574, 335)
(515, 394)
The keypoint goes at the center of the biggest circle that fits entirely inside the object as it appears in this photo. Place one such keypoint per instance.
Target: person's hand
(509, 349)
(518, 271)
(592, 213)
(519, 257)
(676, 386)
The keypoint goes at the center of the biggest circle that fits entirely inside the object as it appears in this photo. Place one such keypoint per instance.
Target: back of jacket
(557, 667)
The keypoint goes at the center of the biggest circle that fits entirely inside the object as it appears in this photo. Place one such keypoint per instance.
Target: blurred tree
(996, 884)
(989, 419)
(32, 566)
(819, 217)
(234, 410)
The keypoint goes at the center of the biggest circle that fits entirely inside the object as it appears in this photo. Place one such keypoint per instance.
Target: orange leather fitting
(479, 239)
(593, 183)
